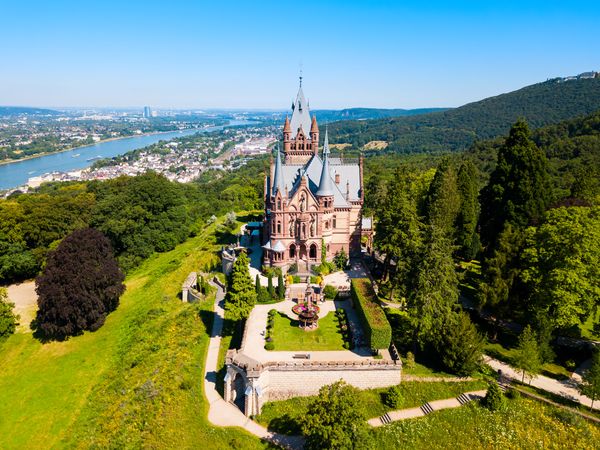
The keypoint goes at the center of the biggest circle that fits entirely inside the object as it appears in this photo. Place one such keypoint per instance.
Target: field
(134, 383)
(525, 424)
(375, 145)
(287, 336)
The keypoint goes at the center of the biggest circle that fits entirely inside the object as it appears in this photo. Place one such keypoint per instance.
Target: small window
(334, 223)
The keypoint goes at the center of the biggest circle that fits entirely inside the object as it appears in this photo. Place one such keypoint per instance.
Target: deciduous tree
(590, 385)
(527, 358)
(8, 319)
(80, 285)
(334, 420)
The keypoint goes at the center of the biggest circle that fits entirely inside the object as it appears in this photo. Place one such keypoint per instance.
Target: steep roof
(325, 182)
(278, 179)
(300, 114)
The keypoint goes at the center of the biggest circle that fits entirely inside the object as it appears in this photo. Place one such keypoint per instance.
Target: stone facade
(312, 203)
(260, 383)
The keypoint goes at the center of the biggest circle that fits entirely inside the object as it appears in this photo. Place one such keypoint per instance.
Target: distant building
(586, 75)
(147, 112)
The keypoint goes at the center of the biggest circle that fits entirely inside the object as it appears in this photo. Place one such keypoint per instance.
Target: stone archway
(302, 253)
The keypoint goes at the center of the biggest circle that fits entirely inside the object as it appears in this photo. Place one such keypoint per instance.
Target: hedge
(376, 326)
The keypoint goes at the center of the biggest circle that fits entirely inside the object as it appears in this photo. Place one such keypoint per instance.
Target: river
(17, 173)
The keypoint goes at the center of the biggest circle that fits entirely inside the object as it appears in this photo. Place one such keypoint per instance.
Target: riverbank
(40, 155)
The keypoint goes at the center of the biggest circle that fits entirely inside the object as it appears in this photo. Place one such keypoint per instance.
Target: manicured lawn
(135, 383)
(283, 415)
(288, 336)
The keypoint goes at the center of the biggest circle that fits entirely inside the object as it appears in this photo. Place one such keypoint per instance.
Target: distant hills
(328, 115)
(540, 104)
(24, 110)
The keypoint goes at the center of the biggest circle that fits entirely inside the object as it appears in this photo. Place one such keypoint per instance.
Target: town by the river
(18, 173)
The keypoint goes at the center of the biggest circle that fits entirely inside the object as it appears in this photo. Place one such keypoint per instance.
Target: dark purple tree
(80, 285)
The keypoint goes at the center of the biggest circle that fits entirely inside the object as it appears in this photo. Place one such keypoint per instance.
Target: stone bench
(301, 356)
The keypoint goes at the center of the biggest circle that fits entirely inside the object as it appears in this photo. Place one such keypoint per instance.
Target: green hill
(327, 115)
(25, 110)
(135, 383)
(540, 104)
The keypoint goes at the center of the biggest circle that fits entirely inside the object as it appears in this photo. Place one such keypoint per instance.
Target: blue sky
(248, 54)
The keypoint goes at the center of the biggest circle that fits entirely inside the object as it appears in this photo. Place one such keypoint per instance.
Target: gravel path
(24, 297)
(220, 412)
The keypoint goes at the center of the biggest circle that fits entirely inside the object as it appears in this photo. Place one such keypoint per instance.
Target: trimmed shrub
(494, 399)
(393, 397)
(376, 325)
(270, 346)
(330, 292)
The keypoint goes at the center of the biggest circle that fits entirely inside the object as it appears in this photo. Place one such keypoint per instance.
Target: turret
(326, 188)
(278, 181)
(314, 135)
(287, 134)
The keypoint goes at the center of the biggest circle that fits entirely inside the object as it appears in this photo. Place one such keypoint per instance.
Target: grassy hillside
(134, 383)
(24, 110)
(455, 129)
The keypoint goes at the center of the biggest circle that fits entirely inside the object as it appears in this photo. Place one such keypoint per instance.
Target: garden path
(24, 297)
(254, 341)
(567, 388)
(427, 408)
(220, 412)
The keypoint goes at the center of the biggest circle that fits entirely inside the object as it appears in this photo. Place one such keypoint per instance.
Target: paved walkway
(427, 408)
(256, 325)
(226, 414)
(567, 388)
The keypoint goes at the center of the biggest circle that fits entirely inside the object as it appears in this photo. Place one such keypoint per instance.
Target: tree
(398, 233)
(561, 263)
(241, 294)
(443, 199)
(393, 397)
(494, 398)
(334, 420)
(590, 385)
(257, 286)
(340, 259)
(461, 345)
(280, 287)
(527, 358)
(434, 288)
(519, 190)
(501, 270)
(80, 285)
(270, 287)
(467, 239)
(8, 319)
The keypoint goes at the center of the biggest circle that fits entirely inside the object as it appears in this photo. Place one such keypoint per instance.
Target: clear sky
(247, 54)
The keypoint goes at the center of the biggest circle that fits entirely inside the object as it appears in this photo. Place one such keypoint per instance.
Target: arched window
(278, 227)
(313, 252)
(278, 204)
(273, 227)
(334, 222)
(292, 251)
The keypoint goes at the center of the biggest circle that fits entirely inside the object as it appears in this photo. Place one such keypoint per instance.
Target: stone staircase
(385, 419)
(426, 408)
(463, 399)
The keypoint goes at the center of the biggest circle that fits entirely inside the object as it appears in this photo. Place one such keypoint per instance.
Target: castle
(313, 203)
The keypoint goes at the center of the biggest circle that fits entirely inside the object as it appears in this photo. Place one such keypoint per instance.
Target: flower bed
(297, 309)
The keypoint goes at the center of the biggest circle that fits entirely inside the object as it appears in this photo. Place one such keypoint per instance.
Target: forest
(456, 129)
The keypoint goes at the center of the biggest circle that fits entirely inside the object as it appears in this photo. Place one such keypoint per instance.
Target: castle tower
(301, 132)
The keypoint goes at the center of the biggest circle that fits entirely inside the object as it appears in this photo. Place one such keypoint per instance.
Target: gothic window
(334, 225)
(292, 251)
(313, 252)
(273, 227)
(278, 227)
(278, 204)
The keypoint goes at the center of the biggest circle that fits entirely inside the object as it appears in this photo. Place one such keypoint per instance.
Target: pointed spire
(314, 128)
(286, 126)
(278, 182)
(325, 183)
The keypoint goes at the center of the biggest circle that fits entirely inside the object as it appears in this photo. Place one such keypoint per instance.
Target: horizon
(237, 56)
